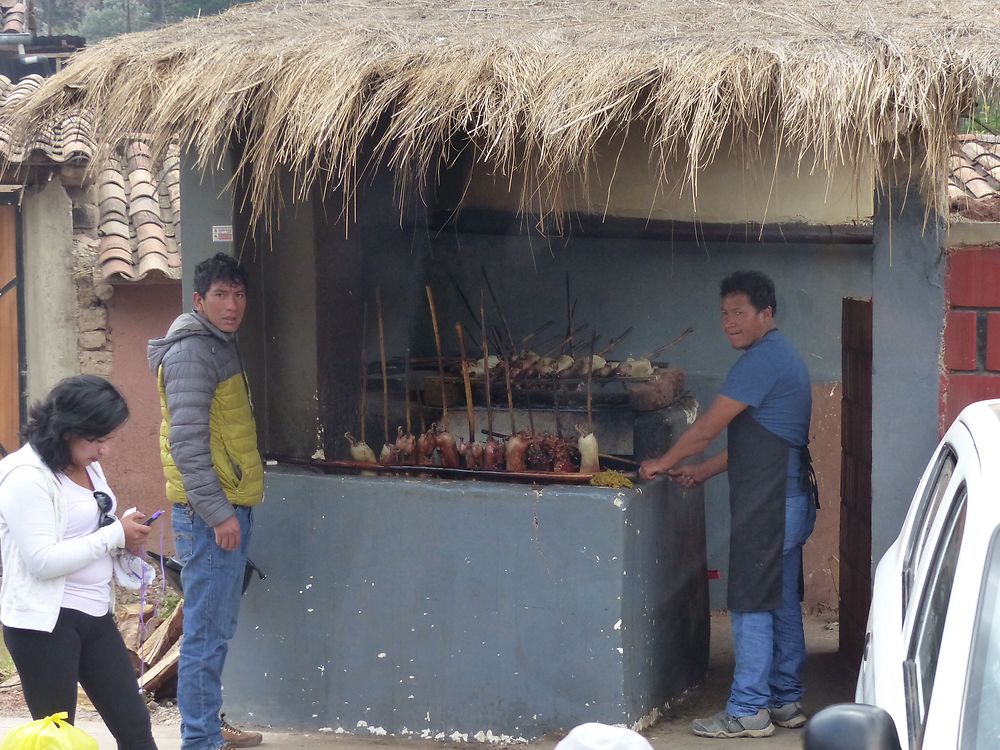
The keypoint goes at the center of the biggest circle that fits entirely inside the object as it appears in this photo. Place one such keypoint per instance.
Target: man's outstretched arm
(696, 438)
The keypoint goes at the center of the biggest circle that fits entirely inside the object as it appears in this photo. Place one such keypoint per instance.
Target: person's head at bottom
(595, 736)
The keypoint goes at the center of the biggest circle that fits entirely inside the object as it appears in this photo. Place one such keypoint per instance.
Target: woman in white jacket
(58, 533)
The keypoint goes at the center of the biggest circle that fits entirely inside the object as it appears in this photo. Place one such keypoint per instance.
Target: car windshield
(981, 725)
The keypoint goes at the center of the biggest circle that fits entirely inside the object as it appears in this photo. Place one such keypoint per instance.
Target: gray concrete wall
(446, 609)
(49, 291)
(208, 203)
(908, 319)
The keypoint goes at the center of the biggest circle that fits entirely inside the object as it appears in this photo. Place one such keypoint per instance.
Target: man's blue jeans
(770, 647)
(213, 583)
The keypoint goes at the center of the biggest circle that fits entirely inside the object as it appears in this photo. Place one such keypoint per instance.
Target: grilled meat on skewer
(360, 451)
(425, 448)
(493, 455)
(472, 454)
(515, 448)
(444, 441)
(406, 446)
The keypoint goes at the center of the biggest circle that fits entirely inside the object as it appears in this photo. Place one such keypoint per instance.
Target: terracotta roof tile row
(66, 142)
(974, 182)
(140, 205)
(139, 201)
(14, 17)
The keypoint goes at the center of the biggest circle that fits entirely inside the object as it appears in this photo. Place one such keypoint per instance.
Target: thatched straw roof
(535, 85)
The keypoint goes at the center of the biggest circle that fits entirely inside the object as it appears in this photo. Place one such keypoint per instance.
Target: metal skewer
(670, 344)
(385, 375)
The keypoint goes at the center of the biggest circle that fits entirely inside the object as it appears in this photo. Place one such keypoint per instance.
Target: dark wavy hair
(220, 267)
(81, 406)
(757, 286)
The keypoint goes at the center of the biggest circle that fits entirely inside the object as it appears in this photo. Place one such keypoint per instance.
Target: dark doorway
(856, 477)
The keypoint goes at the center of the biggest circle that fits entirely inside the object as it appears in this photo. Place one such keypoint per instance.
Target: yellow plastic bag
(51, 733)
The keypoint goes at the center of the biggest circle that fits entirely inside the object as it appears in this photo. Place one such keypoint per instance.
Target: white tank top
(88, 589)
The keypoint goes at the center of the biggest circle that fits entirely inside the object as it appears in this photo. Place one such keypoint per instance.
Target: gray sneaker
(723, 726)
(789, 716)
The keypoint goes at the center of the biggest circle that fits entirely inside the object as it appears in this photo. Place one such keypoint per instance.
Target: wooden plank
(10, 381)
(163, 670)
(163, 637)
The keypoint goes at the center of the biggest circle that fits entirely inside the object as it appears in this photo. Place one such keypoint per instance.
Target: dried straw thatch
(534, 85)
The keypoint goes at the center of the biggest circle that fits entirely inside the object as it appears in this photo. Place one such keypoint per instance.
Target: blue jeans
(213, 583)
(770, 647)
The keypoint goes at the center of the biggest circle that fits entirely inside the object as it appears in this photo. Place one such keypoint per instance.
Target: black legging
(88, 650)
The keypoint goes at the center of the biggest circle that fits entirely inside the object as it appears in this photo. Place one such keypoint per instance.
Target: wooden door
(856, 476)
(10, 353)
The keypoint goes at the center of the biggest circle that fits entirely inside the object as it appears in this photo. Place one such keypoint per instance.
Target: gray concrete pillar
(50, 300)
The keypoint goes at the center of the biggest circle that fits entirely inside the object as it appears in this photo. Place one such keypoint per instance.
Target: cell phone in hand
(149, 521)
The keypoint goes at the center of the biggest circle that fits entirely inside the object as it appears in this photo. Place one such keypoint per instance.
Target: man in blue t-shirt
(764, 406)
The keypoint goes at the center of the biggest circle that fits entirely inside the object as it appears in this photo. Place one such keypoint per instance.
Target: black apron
(758, 472)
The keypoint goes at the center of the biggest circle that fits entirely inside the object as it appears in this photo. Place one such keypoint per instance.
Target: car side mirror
(851, 726)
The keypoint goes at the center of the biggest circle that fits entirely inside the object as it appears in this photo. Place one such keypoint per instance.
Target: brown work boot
(234, 737)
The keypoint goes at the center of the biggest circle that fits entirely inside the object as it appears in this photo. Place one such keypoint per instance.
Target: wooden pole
(406, 385)
(496, 303)
(510, 396)
(467, 382)
(590, 377)
(614, 342)
(364, 368)
(437, 345)
(486, 361)
(535, 332)
(569, 316)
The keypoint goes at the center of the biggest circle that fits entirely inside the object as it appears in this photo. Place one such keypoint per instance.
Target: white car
(931, 661)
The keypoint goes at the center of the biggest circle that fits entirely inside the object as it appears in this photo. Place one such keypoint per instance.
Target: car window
(923, 519)
(981, 721)
(921, 662)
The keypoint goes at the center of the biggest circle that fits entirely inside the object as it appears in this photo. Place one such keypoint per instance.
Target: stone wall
(92, 292)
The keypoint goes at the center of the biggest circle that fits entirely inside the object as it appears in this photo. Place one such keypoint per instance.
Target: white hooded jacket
(36, 558)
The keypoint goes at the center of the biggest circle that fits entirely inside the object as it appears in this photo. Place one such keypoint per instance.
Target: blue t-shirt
(772, 380)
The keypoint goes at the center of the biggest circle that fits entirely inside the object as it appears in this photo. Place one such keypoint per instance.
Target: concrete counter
(438, 607)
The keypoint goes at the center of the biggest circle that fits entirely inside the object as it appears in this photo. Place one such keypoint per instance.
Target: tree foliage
(113, 19)
(99, 19)
(986, 119)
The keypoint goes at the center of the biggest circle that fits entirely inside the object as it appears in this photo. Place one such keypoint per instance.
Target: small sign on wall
(222, 233)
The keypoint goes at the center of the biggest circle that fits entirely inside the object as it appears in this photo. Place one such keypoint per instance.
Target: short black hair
(220, 267)
(755, 285)
(81, 406)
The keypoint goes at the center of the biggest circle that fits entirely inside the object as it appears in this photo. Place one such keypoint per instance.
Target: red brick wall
(970, 355)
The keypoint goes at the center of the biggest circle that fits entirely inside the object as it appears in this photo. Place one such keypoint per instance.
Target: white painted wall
(772, 186)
